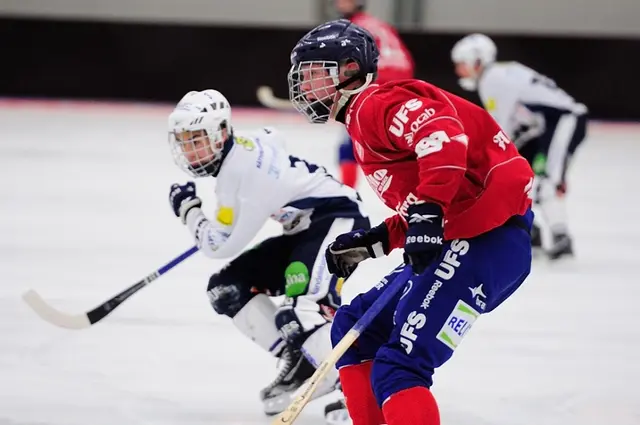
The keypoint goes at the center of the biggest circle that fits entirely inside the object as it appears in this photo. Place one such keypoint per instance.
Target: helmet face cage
(198, 152)
(313, 88)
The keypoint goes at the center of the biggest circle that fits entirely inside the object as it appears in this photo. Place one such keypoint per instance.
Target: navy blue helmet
(318, 86)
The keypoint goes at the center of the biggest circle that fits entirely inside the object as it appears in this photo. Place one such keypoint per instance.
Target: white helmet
(198, 128)
(472, 50)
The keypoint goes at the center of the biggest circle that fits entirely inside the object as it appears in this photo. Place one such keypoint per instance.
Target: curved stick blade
(267, 98)
(53, 316)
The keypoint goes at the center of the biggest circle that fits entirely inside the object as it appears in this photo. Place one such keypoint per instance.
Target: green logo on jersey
(296, 276)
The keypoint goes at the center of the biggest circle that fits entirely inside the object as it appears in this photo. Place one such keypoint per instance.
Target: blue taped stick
(179, 259)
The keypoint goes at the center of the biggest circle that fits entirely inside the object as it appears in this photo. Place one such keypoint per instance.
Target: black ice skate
(562, 245)
(294, 369)
(336, 413)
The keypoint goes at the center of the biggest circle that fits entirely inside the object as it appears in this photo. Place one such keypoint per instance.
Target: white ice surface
(84, 214)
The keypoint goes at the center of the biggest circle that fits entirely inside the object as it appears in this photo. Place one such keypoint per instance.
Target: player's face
(464, 70)
(313, 87)
(196, 147)
(316, 83)
(345, 7)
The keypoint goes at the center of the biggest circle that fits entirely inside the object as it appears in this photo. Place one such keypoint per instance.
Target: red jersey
(416, 142)
(395, 61)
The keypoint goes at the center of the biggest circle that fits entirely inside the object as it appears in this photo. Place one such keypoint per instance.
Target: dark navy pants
(420, 328)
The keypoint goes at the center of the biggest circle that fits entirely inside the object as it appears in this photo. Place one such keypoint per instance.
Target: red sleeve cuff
(397, 228)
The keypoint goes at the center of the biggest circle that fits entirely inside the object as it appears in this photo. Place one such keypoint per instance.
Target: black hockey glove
(349, 249)
(424, 238)
(182, 199)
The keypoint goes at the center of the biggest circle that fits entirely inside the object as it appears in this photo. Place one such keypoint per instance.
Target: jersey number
(311, 168)
(301, 163)
(431, 144)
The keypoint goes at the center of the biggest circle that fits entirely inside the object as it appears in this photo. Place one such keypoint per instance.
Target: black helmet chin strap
(358, 76)
(346, 98)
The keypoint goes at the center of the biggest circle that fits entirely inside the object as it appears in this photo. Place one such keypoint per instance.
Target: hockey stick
(266, 98)
(85, 320)
(295, 408)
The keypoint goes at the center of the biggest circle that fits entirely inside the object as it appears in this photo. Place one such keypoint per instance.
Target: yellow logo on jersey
(339, 284)
(225, 216)
(491, 104)
(246, 143)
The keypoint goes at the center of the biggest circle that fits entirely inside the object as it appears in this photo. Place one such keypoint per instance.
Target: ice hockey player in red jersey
(462, 196)
(395, 63)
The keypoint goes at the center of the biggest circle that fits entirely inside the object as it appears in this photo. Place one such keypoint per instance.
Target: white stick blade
(53, 316)
(266, 97)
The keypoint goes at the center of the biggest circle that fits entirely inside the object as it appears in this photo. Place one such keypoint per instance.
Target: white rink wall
(84, 214)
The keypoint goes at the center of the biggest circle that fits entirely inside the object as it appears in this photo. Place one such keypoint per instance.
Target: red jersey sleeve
(397, 228)
(435, 134)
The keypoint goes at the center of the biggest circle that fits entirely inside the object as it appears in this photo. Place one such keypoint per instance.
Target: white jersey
(518, 98)
(259, 180)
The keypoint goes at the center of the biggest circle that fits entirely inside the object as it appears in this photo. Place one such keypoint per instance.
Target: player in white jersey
(545, 123)
(256, 180)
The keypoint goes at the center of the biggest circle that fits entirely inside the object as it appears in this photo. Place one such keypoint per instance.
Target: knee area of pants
(380, 368)
(388, 378)
(225, 297)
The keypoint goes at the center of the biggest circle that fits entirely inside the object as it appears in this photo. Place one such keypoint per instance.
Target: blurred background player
(545, 123)
(395, 63)
(257, 180)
